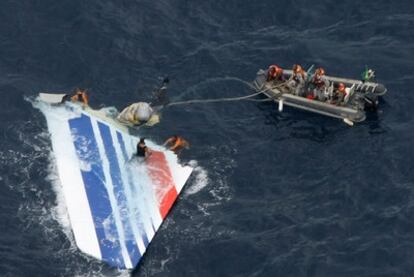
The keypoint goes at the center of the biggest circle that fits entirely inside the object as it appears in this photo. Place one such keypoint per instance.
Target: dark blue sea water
(275, 194)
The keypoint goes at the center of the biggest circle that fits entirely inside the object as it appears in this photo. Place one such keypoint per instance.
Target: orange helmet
(279, 71)
(274, 67)
(275, 71)
(297, 68)
(320, 71)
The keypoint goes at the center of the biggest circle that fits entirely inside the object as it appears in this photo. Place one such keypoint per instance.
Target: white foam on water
(101, 271)
(201, 179)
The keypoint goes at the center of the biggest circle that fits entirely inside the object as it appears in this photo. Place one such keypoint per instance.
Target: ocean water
(273, 194)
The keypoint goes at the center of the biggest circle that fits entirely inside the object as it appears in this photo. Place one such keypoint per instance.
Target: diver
(159, 96)
(319, 84)
(275, 73)
(80, 96)
(176, 144)
(297, 80)
(142, 149)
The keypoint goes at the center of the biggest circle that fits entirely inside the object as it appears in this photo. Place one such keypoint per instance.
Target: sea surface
(273, 194)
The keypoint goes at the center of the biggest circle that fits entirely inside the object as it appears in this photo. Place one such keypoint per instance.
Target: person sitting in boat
(80, 96)
(297, 80)
(340, 94)
(142, 149)
(176, 144)
(318, 84)
(275, 73)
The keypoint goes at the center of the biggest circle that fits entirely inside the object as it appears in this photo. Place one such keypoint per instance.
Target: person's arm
(180, 143)
(185, 144)
(148, 151)
(85, 99)
(175, 146)
(168, 141)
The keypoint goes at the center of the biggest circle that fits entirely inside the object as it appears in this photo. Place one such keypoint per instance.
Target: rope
(214, 100)
(229, 99)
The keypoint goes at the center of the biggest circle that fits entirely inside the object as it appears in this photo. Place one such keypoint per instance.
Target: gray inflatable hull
(353, 111)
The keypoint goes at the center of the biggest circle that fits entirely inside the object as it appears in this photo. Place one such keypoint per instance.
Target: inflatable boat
(115, 201)
(360, 96)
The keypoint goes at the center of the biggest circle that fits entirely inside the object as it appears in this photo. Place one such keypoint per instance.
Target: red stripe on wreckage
(163, 182)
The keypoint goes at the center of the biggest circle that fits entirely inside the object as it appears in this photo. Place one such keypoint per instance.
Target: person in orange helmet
(319, 83)
(298, 71)
(275, 73)
(176, 144)
(297, 80)
(80, 96)
(340, 94)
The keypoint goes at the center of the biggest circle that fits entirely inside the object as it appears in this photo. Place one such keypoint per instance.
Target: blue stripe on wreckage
(93, 179)
(119, 192)
(124, 153)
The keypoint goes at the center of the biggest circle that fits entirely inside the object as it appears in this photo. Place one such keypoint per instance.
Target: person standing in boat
(319, 84)
(142, 149)
(297, 80)
(275, 73)
(340, 94)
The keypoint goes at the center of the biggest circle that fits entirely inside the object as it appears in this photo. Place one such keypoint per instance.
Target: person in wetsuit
(142, 149)
(160, 96)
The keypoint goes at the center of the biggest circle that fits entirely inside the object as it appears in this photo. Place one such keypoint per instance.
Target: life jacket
(178, 143)
(318, 81)
(274, 73)
(299, 77)
(80, 97)
(341, 92)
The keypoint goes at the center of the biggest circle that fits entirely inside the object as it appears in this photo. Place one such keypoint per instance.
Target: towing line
(228, 99)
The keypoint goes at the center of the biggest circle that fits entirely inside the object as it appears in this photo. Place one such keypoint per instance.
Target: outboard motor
(371, 102)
